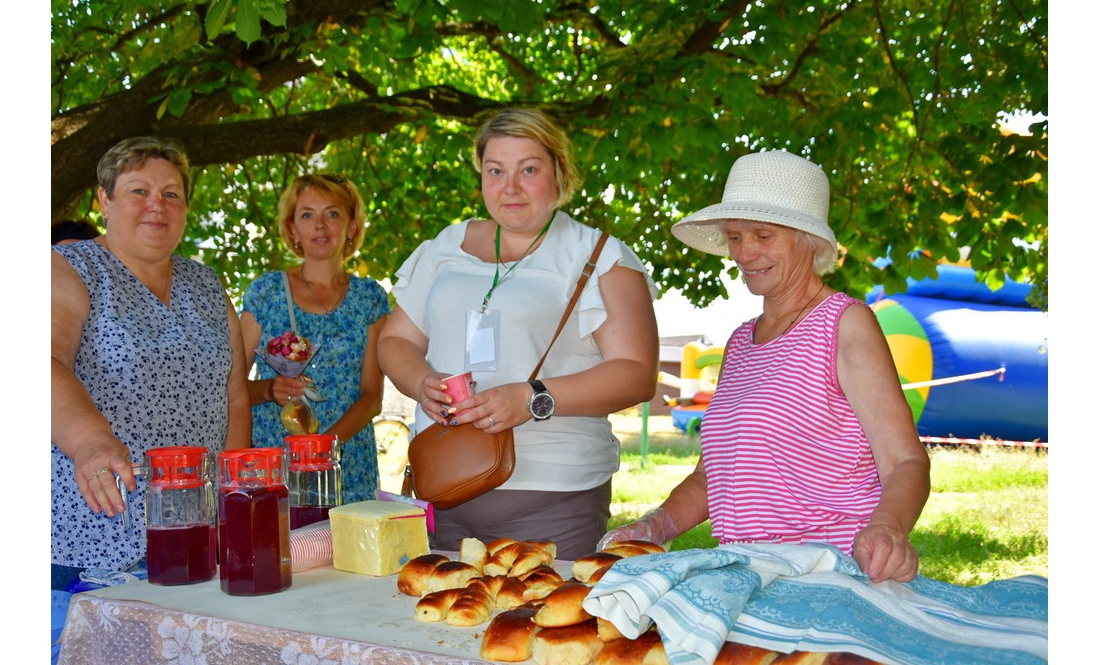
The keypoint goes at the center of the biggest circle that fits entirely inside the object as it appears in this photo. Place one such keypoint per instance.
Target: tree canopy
(900, 102)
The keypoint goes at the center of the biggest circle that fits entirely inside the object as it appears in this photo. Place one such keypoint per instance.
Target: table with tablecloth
(780, 597)
(326, 616)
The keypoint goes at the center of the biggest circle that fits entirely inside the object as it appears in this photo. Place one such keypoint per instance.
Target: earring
(297, 246)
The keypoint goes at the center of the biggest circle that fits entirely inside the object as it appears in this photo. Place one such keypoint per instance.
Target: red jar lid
(252, 467)
(177, 466)
(312, 452)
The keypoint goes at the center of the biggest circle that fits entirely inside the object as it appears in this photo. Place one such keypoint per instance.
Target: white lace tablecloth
(326, 617)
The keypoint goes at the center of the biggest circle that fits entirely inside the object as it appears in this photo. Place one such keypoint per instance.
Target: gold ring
(102, 471)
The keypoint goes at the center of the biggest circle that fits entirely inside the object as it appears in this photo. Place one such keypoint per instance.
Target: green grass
(986, 518)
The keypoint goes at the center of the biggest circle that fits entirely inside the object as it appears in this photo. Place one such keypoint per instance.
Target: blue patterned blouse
(159, 375)
(335, 369)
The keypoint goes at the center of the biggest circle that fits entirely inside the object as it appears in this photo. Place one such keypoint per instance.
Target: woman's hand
(656, 526)
(285, 387)
(434, 398)
(95, 465)
(885, 553)
(496, 409)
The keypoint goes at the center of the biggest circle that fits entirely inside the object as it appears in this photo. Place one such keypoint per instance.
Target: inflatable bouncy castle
(698, 378)
(973, 361)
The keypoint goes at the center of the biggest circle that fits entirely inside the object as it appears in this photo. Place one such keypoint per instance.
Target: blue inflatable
(974, 360)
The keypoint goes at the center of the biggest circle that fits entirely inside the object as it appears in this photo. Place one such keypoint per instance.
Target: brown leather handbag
(448, 466)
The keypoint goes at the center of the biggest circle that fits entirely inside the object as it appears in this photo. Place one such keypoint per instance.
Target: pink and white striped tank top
(786, 459)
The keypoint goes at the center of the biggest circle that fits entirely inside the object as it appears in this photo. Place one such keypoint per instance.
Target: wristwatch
(541, 404)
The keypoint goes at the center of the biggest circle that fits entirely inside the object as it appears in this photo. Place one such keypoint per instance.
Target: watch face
(542, 405)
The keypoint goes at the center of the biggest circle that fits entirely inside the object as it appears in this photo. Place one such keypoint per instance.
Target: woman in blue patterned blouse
(321, 220)
(146, 352)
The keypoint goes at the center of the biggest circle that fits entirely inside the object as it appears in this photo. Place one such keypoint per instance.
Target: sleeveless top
(786, 459)
(159, 375)
(335, 368)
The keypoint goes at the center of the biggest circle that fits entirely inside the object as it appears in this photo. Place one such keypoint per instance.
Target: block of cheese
(377, 537)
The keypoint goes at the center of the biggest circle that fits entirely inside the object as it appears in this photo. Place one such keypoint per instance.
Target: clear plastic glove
(656, 526)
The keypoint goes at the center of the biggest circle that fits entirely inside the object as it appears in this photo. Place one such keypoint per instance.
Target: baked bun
(500, 562)
(530, 558)
(508, 637)
(510, 593)
(435, 605)
(562, 606)
(595, 577)
(473, 607)
(496, 545)
(414, 574)
(735, 653)
(540, 582)
(607, 631)
(650, 548)
(490, 585)
(646, 650)
(473, 552)
(547, 546)
(586, 566)
(624, 549)
(567, 645)
(449, 575)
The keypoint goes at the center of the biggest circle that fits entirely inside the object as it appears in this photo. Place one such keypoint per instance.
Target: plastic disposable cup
(459, 387)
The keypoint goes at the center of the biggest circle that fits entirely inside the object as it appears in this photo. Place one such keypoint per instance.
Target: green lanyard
(497, 278)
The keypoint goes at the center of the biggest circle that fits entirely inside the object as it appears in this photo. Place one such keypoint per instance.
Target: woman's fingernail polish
(454, 422)
(443, 412)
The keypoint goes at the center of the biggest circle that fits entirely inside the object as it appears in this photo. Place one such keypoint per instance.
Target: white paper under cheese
(367, 539)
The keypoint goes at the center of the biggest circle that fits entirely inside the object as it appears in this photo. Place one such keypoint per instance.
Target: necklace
(328, 310)
(812, 298)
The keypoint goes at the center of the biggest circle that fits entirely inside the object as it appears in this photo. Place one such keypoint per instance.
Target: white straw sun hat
(774, 187)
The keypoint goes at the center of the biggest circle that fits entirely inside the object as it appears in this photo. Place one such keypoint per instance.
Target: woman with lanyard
(486, 296)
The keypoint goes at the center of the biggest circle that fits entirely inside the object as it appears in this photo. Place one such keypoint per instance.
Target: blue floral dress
(159, 375)
(341, 336)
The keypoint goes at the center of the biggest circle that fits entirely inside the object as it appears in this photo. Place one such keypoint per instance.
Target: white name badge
(482, 340)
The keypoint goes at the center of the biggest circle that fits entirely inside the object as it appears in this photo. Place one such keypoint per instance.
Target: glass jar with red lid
(314, 477)
(181, 539)
(253, 521)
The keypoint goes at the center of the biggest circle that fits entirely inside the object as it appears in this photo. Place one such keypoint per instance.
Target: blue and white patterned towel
(814, 598)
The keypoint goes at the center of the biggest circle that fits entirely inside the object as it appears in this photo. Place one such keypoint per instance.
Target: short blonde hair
(529, 123)
(333, 187)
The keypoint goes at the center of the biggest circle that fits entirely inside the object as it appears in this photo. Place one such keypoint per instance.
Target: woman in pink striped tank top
(808, 437)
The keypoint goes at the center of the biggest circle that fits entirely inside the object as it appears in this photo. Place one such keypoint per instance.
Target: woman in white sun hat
(808, 437)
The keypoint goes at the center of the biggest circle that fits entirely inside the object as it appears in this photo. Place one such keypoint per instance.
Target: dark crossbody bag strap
(586, 272)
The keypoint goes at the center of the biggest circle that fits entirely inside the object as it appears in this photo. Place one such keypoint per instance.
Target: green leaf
(248, 21)
(178, 100)
(216, 16)
(273, 11)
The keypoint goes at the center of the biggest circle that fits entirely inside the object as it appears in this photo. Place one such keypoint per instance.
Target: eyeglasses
(334, 179)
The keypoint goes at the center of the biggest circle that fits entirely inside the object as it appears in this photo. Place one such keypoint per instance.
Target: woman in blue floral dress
(321, 220)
